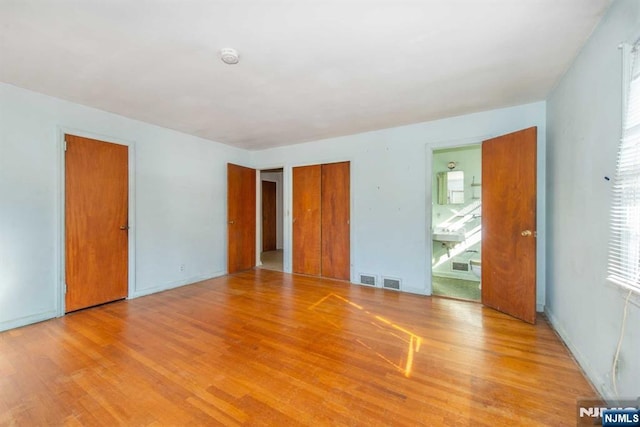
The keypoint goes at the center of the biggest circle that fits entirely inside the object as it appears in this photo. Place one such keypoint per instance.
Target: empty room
(319, 212)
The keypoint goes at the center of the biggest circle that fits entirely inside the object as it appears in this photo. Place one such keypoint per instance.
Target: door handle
(124, 227)
(526, 233)
(232, 222)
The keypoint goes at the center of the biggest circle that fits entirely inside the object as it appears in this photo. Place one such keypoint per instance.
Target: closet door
(306, 220)
(96, 222)
(335, 192)
(241, 218)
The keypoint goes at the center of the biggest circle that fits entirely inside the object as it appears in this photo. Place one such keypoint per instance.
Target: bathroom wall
(584, 116)
(469, 160)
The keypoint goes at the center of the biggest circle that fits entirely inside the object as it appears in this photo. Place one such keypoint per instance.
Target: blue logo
(621, 417)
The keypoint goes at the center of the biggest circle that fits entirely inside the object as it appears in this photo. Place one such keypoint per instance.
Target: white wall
(584, 127)
(180, 202)
(391, 188)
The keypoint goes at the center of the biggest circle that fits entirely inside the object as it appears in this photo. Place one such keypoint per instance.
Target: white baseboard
(598, 382)
(171, 285)
(27, 320)
(417, 291)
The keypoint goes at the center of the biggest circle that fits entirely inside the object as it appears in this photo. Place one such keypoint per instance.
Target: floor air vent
(459, 266)
(368, 279)
(391, 283)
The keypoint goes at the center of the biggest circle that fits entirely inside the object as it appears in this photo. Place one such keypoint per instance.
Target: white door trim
(60, 231)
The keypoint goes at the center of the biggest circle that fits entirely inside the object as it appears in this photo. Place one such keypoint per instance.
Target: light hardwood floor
(267, 348)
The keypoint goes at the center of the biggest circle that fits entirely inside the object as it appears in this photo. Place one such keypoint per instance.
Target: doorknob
(232, 222)
(124, 227)
(526, 233)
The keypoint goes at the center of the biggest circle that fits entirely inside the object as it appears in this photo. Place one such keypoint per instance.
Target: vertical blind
(624, 246)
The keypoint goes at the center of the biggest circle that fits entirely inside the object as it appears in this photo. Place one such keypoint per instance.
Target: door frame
(60, 209)
(285, 213)
(540, 204)
(279, 192)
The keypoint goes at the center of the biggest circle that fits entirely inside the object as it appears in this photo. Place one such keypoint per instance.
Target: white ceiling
(308, 69)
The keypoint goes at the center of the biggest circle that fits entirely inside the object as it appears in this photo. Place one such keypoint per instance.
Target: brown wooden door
(306, 220)
(96, 216)
(335, 221)
(269, 240)
(509, 224)
(241, 218)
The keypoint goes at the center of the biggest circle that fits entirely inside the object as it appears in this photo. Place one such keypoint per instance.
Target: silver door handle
(124, 227)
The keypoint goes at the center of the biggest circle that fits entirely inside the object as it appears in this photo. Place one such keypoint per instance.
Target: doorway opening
(457, 222)
(272, 224)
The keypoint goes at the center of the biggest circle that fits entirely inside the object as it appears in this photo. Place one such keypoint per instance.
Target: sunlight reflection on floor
(381, 325)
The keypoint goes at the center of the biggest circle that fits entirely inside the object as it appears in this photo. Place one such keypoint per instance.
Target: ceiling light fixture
(229, 56)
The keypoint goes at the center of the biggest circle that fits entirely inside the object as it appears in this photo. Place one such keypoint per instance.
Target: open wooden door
(241, 218)
(269, 231)
(96, 222)
(509, 224)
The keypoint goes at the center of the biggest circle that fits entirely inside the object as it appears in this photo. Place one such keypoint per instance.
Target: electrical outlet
(181, 267)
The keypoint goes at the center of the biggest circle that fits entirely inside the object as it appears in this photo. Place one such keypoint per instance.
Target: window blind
(624, 246)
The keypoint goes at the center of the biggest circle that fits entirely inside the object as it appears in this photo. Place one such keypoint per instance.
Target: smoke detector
(229, 56)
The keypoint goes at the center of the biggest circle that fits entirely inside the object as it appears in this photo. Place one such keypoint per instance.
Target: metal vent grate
(459, 266)
(391, 283)
(367, 279)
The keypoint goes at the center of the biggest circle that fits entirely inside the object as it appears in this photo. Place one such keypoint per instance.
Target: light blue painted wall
(180, 202)
(180, 196)
(584, 128)
(391, 188)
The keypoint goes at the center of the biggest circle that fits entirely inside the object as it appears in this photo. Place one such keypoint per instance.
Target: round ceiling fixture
(229, 56)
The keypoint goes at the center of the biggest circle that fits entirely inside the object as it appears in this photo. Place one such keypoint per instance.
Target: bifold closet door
(335, 221)
(321, 237)
(306, 219)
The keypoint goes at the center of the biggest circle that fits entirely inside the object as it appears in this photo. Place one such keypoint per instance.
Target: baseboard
(417, 291)
(171, 285)
(598, 382)
(457, 275)
(28, 320)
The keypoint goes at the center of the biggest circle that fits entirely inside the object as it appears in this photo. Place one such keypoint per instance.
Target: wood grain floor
(267, 348)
